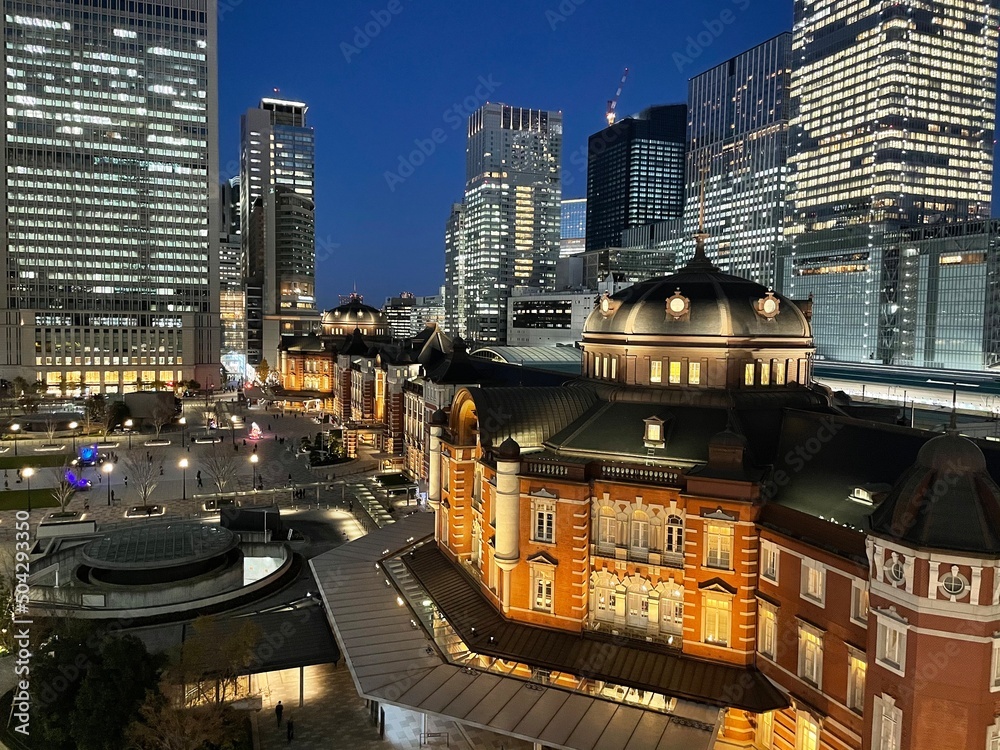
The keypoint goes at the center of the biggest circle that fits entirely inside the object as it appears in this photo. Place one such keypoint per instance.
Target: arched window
(673, 539)
(672, 609)
(604, 600)
(640, 531)
(607, 527)
(638, 607)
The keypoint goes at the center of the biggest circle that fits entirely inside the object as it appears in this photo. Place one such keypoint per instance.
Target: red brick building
(726, 531)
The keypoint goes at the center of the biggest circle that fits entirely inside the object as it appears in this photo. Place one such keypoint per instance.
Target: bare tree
(161, 416)
(144, 469)
(63, 490)
(221, 465)
(52, 422)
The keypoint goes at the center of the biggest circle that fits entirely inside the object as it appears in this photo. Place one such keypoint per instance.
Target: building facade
(455, 300)
(277, 214)
(109, 206)
(696, 522)
(511, 217)
(737, 153)
(232, 297)
(409, 314)
(635, 174)
(573, 227)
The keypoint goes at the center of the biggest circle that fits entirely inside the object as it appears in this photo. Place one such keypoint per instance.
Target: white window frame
(770, 558)
(807, 730)
(671, 610)
(655, 371)
(717, 536)
(764, 734)
(884, 708)
(859, 602)
(542, 588)
(813, 584)
(891, 636)
(607, 527)
(767, 629)
(543, 521)
(857, 672)
(995, 666)
(810, 644)
(720, 622)
(993, 735)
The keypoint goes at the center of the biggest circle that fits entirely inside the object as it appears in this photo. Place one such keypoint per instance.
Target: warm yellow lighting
(254, 458)
(184, 463)
(28, 472)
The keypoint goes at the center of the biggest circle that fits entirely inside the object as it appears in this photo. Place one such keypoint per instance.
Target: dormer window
(653, 434)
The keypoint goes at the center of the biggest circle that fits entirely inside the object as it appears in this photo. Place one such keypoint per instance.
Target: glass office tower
(893, 112)
(109, 198)
(573, 233)
(512, 211)
(737, 154)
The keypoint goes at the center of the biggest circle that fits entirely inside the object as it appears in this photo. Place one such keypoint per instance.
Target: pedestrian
(278, 711)
(289, 476)
(112, 497)
(6, 484)
(18, 475)
(86, 504)
(126, 480)
(290, 728)
(255, 447)
(269, 427)
(161, 470)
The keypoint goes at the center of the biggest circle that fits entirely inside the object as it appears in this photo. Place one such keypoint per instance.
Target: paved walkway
(335, 717)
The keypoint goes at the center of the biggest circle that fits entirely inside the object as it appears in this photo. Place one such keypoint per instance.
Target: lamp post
(184, 479)
(107, 467)
(253, 462)
(183, 421)
(232, 423)
(128, 426)
(15, 428)
(27, 473)
(74, 426)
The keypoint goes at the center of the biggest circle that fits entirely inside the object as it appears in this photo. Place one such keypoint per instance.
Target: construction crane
(613, 103)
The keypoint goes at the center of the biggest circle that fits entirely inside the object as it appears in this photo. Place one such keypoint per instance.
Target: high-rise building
(409, 314)
(512, 211)
(277, 167)
(635, 174)
(455, 305)
(232, 298)
(892, 112)
(573, 236)
(109, 200)
(737, 151)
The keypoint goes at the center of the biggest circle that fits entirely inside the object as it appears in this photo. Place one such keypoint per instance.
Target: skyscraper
(573, 234)
(109, 198)
(277, 166)
(892, 112)
(737, 158)
(232, 298)
(455, 307)
(635, 174)
(512, 211)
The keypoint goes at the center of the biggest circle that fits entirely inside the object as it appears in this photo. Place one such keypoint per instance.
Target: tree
(102, 681)
(214, 657)
(63, 490)
(20, 386)
(52, 423)
(162, 415)
(194, 385)
(163, 725)
(144, 471)
(263, 371)
(221, 465)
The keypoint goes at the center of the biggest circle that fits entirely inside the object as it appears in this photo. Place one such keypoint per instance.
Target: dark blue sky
(428, 60)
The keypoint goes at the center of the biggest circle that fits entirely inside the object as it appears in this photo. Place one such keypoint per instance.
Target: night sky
(425, 70)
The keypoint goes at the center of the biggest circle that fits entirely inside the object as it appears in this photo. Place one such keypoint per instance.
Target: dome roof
(698, 300)
(353, 314)
(946, 500)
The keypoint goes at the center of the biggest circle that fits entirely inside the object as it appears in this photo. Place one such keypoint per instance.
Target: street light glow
(184, 463)
(28, 472)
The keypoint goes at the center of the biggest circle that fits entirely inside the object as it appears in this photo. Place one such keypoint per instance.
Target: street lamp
(253, 462)
(232, 421)
(27, 473)
(74, 426)
(128, 426)
(183, 421)
(107, 467)
(184, 479)
(15, 428)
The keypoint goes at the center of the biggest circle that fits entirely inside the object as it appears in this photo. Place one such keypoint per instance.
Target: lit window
(640, 531)
(672, 609)
(859, 602)
(768, 561)
(856, 669)
(655, 371)
(779, 372)
(813, 581)
(810, 654)
(653, 435)
(673, 542)
(675, 373)
(890, 645)
(767, 629)
(545, 521)
(806, 732)
(607, 527)
(748, 374)
(542, 585)
(717, 612)
(694, 373)
(765, 373)
(765, 730)
(718, 545)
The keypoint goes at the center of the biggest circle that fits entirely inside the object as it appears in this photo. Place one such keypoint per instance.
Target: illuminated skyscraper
(512, 211)
(455, 307)
(737, 155)
(893, 112)
(277, 170)
(232, 297)
(573, 235)
(109, 194)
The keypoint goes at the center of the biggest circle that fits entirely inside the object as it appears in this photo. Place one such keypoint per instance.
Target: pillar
(438, 421)
(508, 513)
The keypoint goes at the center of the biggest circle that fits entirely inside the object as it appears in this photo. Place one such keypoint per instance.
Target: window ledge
(892, 667)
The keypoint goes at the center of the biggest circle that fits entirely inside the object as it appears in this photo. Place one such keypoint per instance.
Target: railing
(646, 474)
(648, 557)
